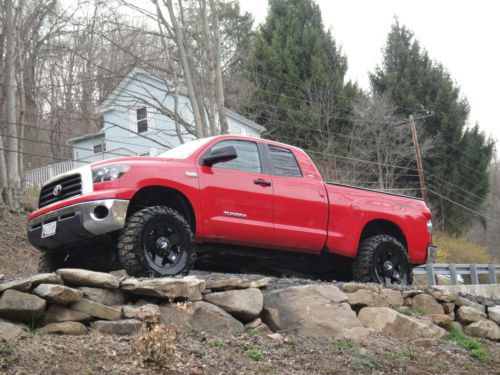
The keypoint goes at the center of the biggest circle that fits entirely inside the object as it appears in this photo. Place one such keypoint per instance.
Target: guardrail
(452, 270)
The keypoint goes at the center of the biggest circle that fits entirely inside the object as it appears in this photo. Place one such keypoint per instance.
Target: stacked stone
(74, 301)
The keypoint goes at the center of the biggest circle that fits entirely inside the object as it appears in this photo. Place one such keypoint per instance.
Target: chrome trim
(115, 219)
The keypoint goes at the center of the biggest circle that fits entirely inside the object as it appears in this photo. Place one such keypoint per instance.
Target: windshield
(186, 149)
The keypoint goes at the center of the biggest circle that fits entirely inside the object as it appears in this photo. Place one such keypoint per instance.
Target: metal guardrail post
(492, 273)
(431, 279)
(453, 274)
(473, 274)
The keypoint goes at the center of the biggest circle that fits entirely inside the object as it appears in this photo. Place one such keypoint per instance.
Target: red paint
(301, 214)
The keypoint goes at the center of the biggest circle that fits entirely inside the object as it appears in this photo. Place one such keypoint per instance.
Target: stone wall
(74, 301)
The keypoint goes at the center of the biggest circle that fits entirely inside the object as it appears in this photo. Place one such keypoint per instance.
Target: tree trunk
(10, 105)
(211, 74)
(218, 70)
(179, 38)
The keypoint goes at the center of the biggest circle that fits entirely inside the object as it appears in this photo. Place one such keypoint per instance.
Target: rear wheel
(156, 241)
(49, 262)
(383, 259)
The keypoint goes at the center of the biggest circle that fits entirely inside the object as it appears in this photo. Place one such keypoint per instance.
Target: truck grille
(63, 188)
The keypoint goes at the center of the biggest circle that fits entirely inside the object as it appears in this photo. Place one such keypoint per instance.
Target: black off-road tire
(364, 267)
(131, 251)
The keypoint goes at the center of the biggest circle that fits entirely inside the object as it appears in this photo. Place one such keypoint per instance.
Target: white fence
(37, 177)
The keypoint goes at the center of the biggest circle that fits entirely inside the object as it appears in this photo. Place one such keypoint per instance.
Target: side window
(142, 119)
(248, 157)
(283, 162)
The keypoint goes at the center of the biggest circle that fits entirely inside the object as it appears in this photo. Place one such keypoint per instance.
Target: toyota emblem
(57, 190)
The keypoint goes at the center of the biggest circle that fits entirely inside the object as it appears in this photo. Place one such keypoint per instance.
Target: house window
(142, 119)
(100, 147)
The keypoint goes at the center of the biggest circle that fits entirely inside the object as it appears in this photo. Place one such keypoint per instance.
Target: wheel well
(376, 227)
(163, 196)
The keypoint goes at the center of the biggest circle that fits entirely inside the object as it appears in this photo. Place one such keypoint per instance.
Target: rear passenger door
(300, 208)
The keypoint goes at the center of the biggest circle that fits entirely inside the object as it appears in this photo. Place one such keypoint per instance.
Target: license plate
(49, 229)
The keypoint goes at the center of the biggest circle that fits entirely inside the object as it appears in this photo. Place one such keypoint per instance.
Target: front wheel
(383, 259)
(156, 241)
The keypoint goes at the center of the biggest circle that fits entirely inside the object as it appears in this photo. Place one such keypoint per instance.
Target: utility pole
(418, 159)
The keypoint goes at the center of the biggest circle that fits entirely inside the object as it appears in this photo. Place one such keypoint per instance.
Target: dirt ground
(247, 353)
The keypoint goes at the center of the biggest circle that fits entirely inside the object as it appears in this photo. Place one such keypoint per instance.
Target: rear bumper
(78, 222)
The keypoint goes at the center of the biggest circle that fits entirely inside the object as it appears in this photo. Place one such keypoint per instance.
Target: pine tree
(299, 72)
(457, 168)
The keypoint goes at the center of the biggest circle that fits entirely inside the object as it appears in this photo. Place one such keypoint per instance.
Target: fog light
(100, 212)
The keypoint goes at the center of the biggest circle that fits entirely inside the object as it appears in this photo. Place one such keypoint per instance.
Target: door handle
(261, 182)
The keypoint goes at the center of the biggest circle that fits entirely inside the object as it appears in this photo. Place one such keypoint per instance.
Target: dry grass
(155, 342)
(453, 249)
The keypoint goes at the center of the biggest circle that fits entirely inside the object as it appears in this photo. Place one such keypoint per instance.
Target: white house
(133, 122)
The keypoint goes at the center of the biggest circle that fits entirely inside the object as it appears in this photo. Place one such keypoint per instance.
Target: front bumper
(78, 222)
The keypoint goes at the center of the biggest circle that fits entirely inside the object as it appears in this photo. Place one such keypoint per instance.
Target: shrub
(452, 249)
(343, 344)
(155, 342)
(366, 360)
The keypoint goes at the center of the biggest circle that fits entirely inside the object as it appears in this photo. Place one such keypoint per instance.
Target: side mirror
(220, 155)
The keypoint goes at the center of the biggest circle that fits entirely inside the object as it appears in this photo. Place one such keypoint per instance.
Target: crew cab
(149, 214)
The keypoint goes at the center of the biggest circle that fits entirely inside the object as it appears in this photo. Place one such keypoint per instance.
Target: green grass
(365, 360)
(411, 311)
(218, 343)
(343, 344)
(250, 331)
(473, 346)
(292, 341)
(405, 355)
(254, 353)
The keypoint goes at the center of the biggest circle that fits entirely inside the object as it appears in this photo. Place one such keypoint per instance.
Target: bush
(452, 249)
(475, 347)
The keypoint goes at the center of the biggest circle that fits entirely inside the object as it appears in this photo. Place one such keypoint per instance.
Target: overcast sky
(463, 35)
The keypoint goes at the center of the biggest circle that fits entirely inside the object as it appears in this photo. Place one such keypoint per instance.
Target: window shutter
(151, 118)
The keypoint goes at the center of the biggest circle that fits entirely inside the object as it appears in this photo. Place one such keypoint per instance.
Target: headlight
(109, 172)
(429, 226)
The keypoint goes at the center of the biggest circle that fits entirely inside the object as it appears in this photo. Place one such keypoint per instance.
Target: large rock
(122, 327)
(64, 328)
(58, 314)
(460, 301)
(45, 278)
(108, 297)
(467, 314)
(236, 283)
(393, 297)
(427, 303)
(81, 277)
(22, 284)
(204, 316)
(59, 294)
(9, 330)
(365, 297)
(487, 329)
(353, 287)
(494, 313)
(19, 306)
(392, 323)
(97, 310)
(188, 287)
(445, 297)
(441, 320)
(244, 304)
(144, 312)
(312, 310)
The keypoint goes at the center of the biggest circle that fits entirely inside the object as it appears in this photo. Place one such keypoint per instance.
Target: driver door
(237, 198)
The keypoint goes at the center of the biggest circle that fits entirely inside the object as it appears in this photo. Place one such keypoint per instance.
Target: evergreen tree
(299, 73)
(458, 166)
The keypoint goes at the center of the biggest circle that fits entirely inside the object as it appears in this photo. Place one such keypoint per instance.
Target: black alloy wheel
(156, 241)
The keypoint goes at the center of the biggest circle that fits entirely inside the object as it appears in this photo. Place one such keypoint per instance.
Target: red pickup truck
(149, 214)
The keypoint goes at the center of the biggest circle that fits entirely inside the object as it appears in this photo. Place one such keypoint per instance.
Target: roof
(107, 104)
(99, 134)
